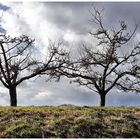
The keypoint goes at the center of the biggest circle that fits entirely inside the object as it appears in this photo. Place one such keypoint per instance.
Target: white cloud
(71, 37)
(28, 18)
(43, 95)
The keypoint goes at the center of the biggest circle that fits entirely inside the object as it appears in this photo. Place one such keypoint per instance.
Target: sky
(68, 21)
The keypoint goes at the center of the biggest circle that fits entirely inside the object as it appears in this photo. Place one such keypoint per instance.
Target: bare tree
(110, 64)
(17, 62)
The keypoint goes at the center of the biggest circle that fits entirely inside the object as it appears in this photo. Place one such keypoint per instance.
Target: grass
(69, 122)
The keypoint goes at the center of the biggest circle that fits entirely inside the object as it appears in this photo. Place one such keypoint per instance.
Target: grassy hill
(69, 122)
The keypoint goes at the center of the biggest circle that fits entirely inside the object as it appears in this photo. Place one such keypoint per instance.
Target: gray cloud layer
(68, 21)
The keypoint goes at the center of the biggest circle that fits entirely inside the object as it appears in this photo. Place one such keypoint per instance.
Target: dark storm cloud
(122, 10)
(69, 15)
(75, 15)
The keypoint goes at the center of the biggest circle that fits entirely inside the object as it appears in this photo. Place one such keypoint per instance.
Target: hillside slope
(69, 122)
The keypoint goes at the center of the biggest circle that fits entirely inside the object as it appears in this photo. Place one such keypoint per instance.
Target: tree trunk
(102, 99)
(13, 96)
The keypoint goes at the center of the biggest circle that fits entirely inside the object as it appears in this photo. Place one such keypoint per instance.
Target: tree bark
(102, 99)
(13, 96)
